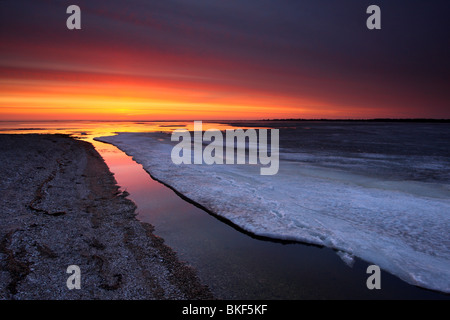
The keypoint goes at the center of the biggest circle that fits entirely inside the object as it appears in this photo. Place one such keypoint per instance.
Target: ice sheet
(402, 226)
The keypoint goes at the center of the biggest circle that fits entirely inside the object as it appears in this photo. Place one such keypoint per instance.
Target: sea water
(377, 191)
(397, 157)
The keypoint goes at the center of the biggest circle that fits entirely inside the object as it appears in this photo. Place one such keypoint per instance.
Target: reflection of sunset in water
(126, 170)
(88, 130)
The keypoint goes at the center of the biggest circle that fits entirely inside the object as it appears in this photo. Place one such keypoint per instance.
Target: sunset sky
(223, 59)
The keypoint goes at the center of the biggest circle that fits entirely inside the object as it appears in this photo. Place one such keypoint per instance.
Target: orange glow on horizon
(65, 96)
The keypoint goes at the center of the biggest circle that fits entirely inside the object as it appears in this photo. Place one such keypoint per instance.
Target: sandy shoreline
(60, 206)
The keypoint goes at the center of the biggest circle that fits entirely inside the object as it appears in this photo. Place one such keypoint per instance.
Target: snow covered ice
(342, 200)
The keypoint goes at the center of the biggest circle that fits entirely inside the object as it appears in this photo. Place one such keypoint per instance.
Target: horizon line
(232, 120)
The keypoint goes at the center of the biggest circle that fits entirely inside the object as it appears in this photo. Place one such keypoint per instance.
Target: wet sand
(61, 206)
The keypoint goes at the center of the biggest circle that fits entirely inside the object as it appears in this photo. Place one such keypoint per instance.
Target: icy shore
(402, 226)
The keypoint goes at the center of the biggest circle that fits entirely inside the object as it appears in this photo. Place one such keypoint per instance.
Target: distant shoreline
(421, 120)
(418, 120)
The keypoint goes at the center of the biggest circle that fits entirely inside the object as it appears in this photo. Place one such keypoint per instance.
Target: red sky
(202, 60)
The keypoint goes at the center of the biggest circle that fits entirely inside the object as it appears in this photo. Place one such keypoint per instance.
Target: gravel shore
(61, 206)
